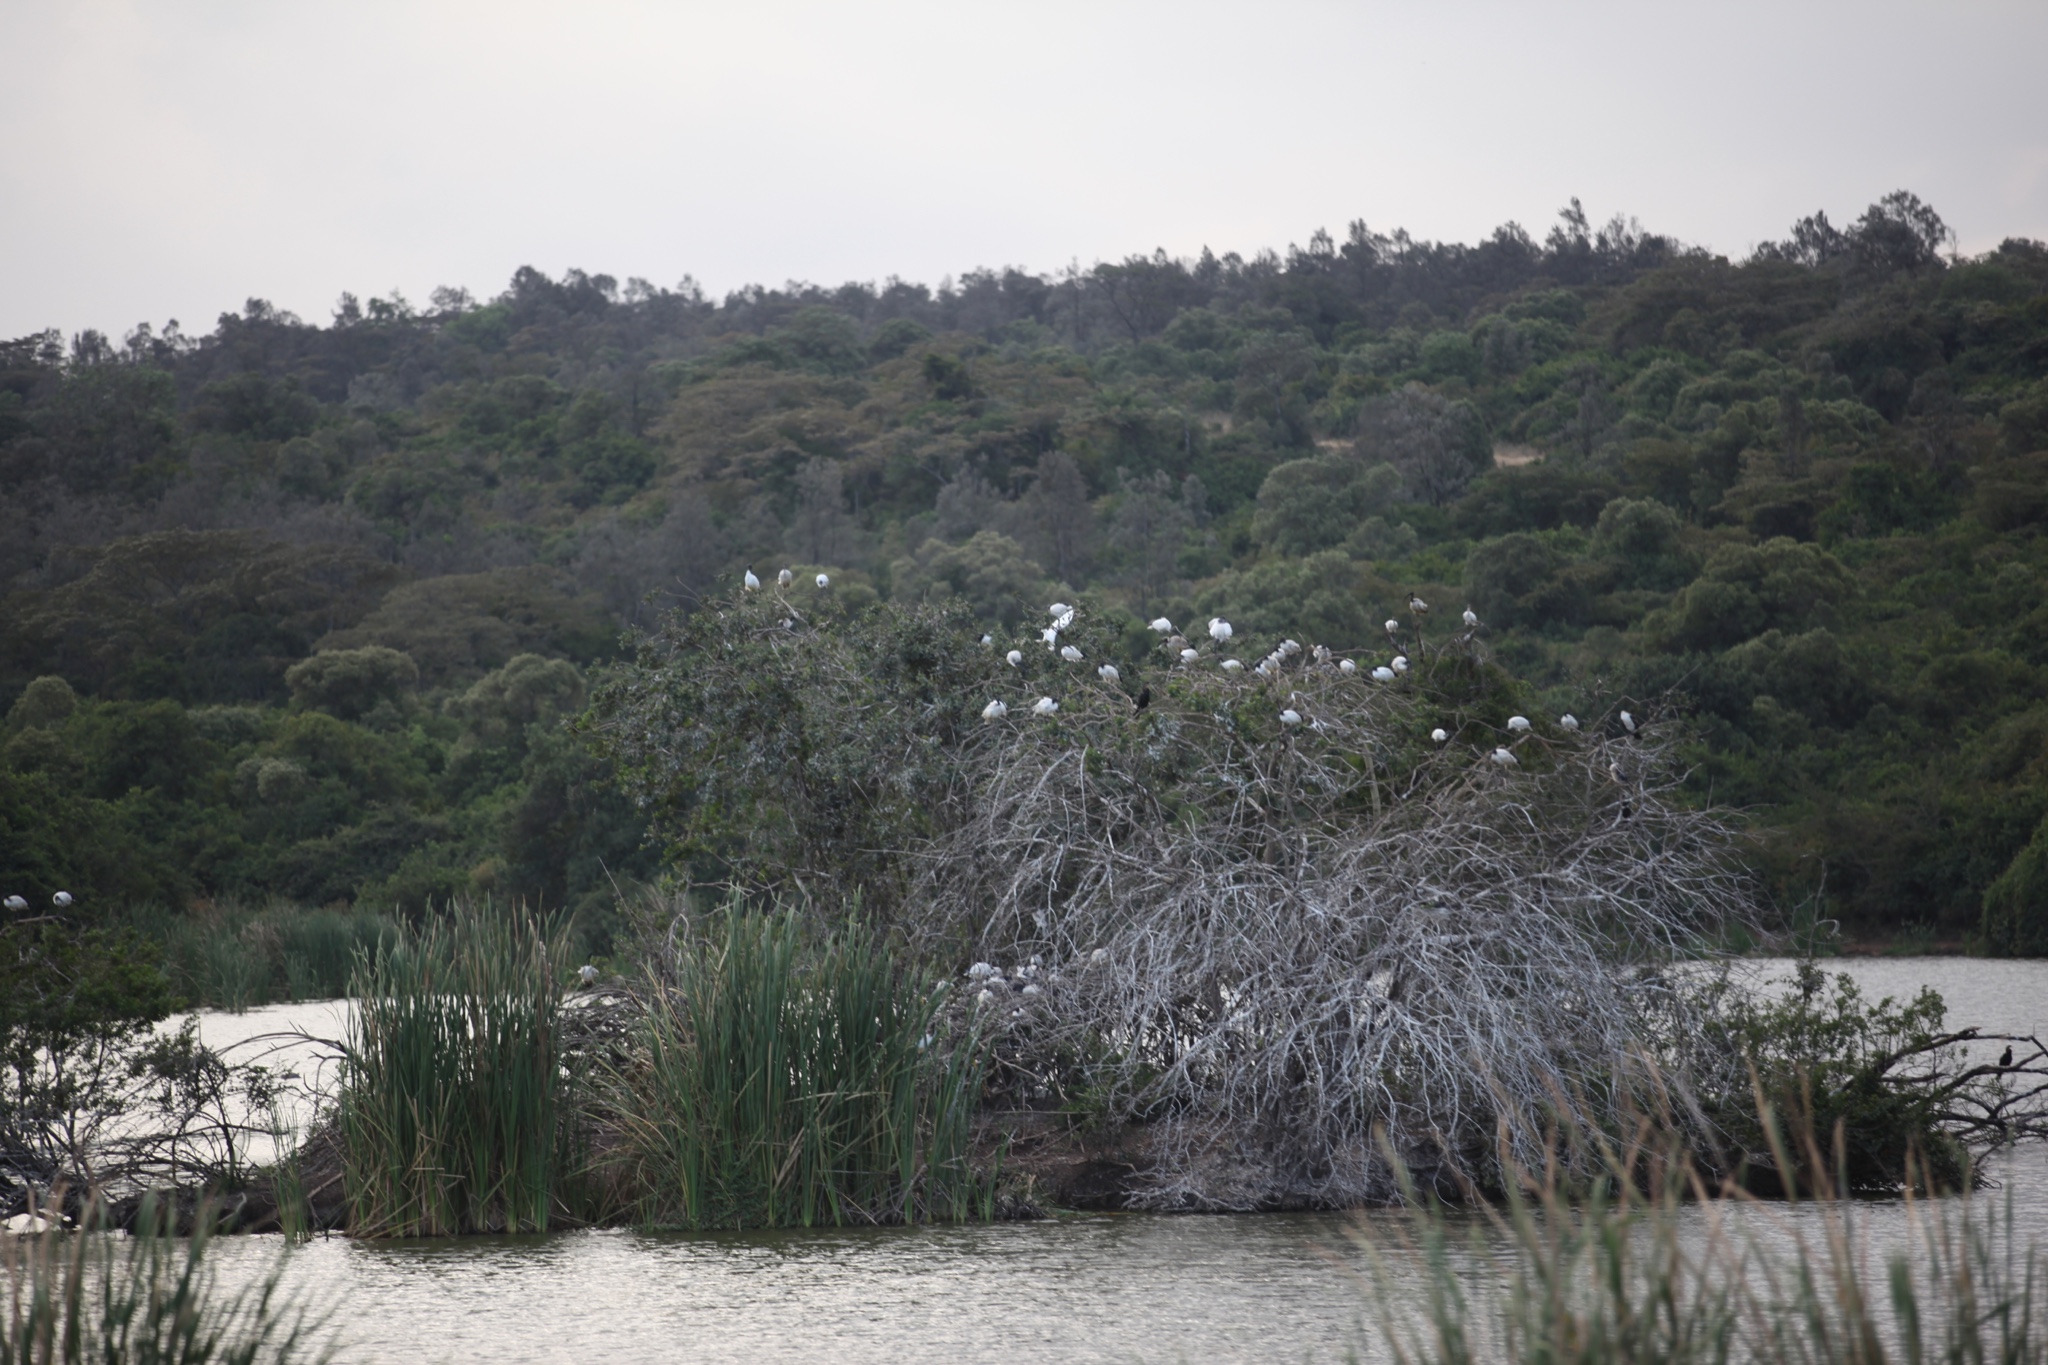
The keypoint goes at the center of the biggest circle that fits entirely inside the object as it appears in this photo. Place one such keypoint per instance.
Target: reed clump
(789, 1078)
(453, 1103)
(144, 1299)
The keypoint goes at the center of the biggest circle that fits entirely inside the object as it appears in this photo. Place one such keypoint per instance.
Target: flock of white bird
(1222, 632)
(1027, 979)
(17, 904)
(783, 579)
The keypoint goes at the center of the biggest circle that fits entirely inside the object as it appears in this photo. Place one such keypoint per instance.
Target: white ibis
(981, 971)
(1015, 658)
(1108, 673)
(1290, 717)
(750, 582)
(15, 903)
(1189, 655)
(986, 997)
(1232, 666)
(1290, 647)
(1099, 955)
(1346, 666)
(62, 899)
(1518, 723)
(1062, 621)
(1033, 990)
(824, 580)
(1265, 668)
(995, 710)
(1471, 617)
(1051, 636)
(1400, 664)
(1383, 674)
(1070, 654)
(1321, 654)
(587, 974)
(1219, 629)
(784, 579)
(1417, 605)
(1162, 625)
(1628, 722)
(1506, 759)
(1058, 609)
(1568, 721)
(1045, 706)
(1440, 735)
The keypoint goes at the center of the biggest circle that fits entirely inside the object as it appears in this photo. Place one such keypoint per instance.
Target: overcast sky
(170, 158)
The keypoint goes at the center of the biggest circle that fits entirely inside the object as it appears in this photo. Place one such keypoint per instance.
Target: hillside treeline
(311, 602)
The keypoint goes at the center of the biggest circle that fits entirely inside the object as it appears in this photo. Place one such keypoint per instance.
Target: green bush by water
(87, 1298)
(237, 957)
(454, 1091)
(789, 1082)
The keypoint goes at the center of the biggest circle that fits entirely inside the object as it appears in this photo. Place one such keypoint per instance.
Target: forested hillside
(321, 596)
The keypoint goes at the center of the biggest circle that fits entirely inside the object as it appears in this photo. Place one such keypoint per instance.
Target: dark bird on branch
(1144, 697)
(2005, 1057)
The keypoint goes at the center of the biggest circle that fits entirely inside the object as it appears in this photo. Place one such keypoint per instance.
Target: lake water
(1120, 1287)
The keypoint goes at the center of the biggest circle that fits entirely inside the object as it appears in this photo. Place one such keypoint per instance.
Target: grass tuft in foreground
(81, 1298)
(790, 1081)
(1651, 1266)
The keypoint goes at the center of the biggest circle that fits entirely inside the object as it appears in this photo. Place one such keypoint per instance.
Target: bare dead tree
(1295, 948)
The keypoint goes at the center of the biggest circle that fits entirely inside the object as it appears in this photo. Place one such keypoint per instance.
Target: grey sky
(172, 158)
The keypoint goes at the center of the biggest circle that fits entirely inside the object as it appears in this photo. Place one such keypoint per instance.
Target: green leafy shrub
(1884, 1086)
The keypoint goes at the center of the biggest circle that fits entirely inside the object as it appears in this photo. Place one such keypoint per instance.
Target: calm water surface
(1128, 1287)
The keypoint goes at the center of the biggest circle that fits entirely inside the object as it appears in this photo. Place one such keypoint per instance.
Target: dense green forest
(300, 612)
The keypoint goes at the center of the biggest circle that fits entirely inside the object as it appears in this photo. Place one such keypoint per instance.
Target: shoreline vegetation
(1299, 936)
(232, 957)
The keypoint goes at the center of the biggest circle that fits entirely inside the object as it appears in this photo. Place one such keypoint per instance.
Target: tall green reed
(95, 1296)
(452, 1106)
(786, 1080)
(1650, 1265)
